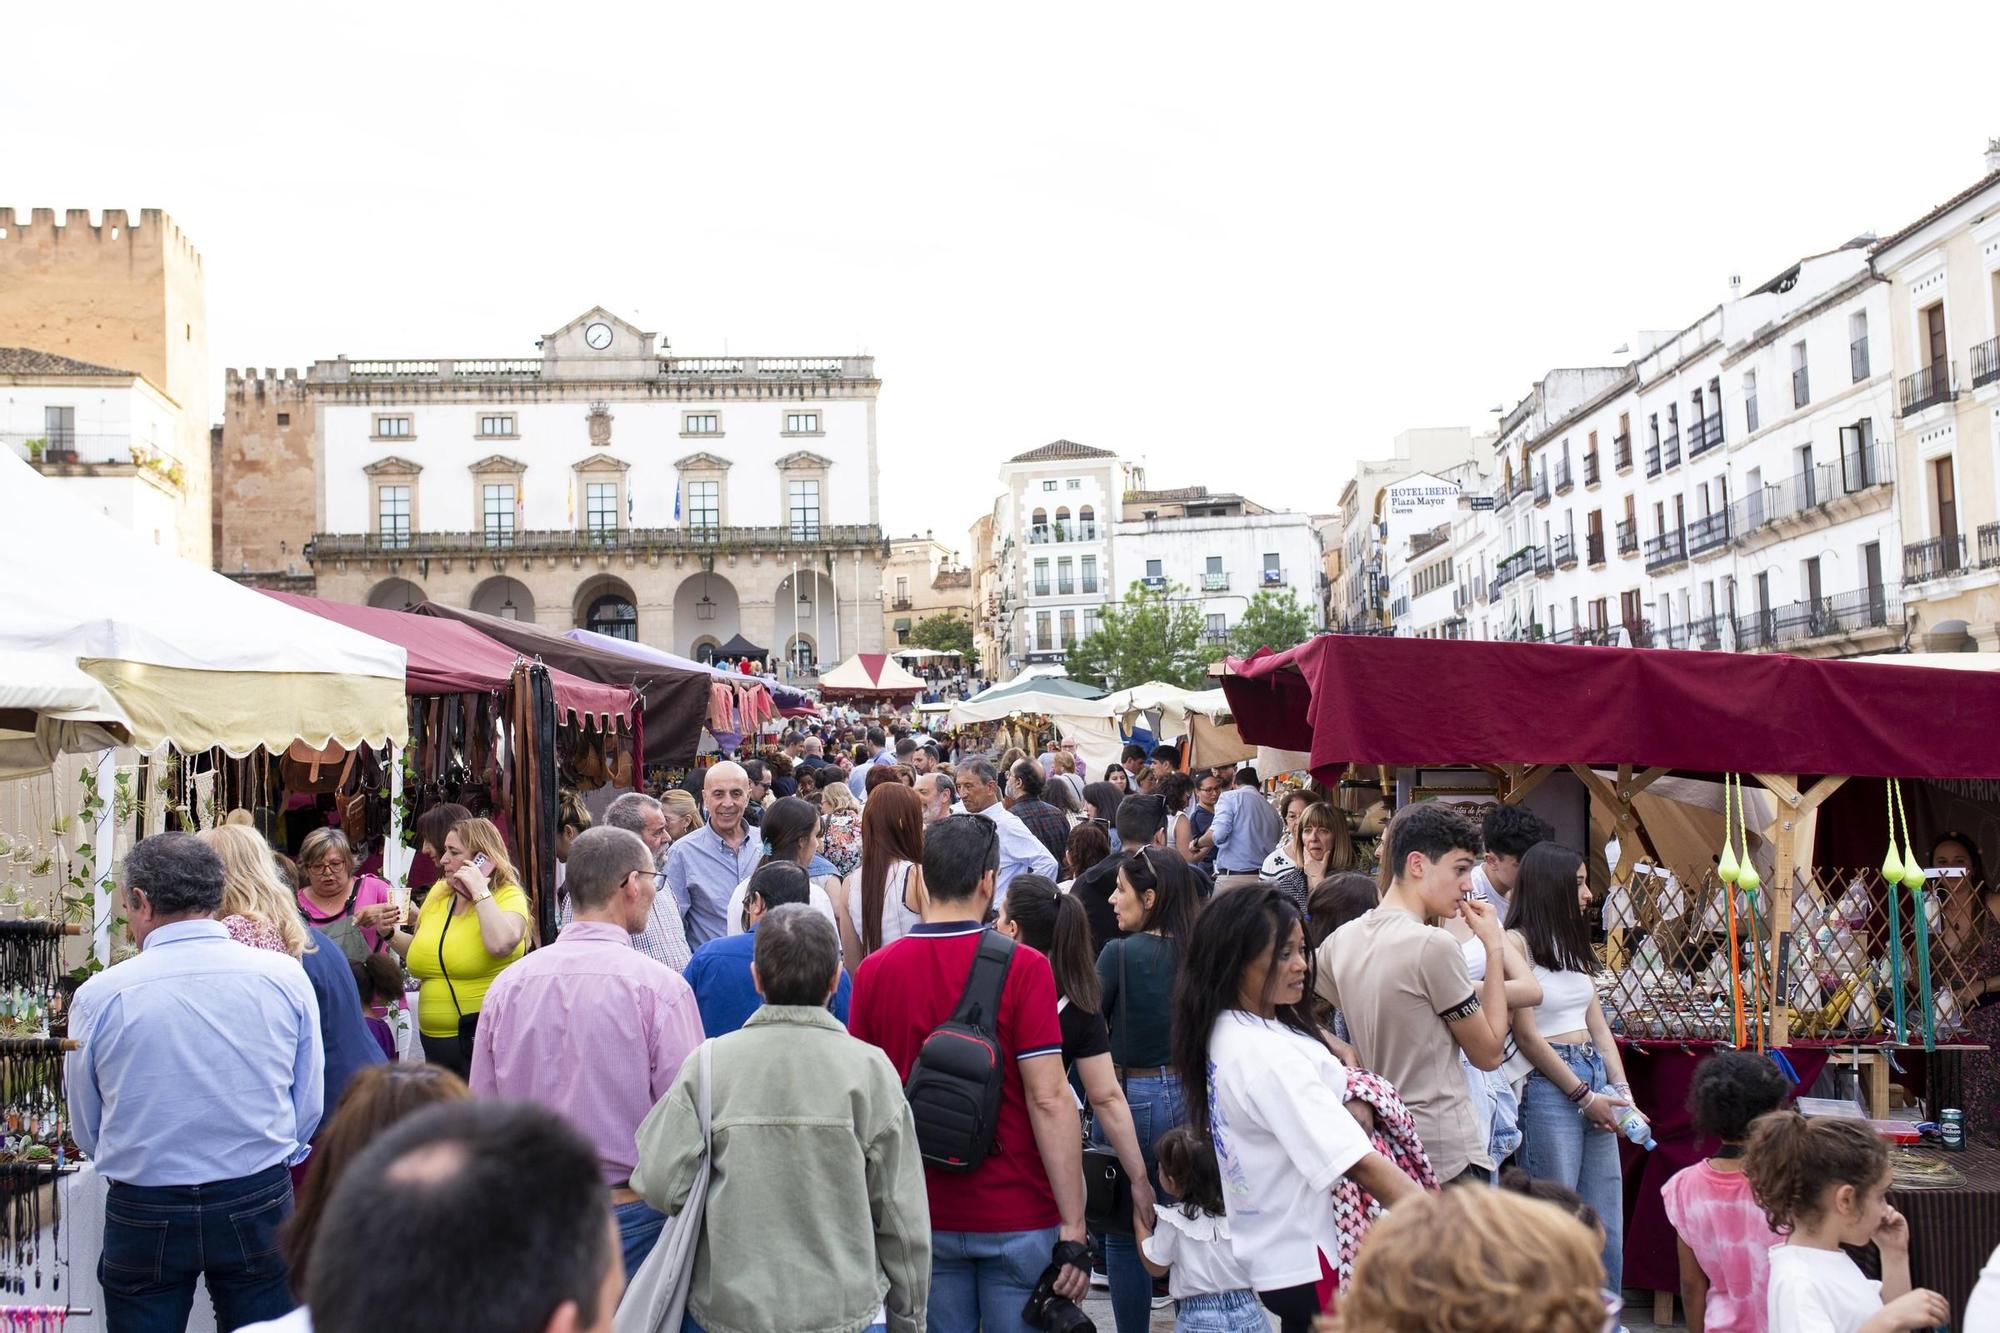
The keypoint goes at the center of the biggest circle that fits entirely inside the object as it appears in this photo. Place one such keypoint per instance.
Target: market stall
(869, 676)
(1035, 710)
(738, 704)
(1833, 957)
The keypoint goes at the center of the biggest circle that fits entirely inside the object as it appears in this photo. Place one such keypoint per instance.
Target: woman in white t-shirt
(1261, 1083)
(790, 830)
(885, 894)
(1826, 1183)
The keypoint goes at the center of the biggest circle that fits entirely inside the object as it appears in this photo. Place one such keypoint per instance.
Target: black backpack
(955, 1082)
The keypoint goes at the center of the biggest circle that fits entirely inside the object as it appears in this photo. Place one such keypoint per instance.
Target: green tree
(1276, 619)
(1154, 634)
(946, 632)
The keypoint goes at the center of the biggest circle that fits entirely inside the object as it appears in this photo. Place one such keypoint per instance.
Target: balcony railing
(1154, 581)
(1520, 483)
(1214, 638)
(1215, 582)
(1708, 532)
(1704, 433)
(1543, 565)
(1513, 567)
(1565, 551)
(1628, 536)
(1065, 587)
(1706, 633)
(1819, 618)
(1933, 559)
(1593, 545)
(1590, 469)
(1541, 488)
(1564, 482)
(567, 541)
(1814, 488)
(1621, 452)
(1930, 386)
(1041, 590)
(1801, 387)
(1857, 358)
(1986, 362)
(901, 604)
(1041, 534)
(1652, 460)
(1669, 548)
(1640, 632)
(1989, 545)
(1670, 450)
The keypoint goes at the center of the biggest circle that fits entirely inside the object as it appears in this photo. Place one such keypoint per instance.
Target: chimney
(1735, 286)
(1992, 156)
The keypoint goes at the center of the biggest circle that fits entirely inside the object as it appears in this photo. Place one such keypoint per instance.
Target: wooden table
(1952, 1230)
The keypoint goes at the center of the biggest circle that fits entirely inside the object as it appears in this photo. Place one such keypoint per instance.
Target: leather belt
(1239, 872)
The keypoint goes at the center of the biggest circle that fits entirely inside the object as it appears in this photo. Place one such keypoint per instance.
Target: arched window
(803, 655)
(1086, 515)
(1041, 517)
(613, 616)
(1062, 514)
(704, 651)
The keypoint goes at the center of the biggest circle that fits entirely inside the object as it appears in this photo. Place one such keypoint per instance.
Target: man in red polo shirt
(993, 1229)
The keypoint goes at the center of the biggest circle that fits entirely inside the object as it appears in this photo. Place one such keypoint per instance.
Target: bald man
(705, 866)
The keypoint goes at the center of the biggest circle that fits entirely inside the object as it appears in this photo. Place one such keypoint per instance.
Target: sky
(1245, 244)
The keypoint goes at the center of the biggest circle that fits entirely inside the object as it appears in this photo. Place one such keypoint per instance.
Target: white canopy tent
(49, 706)
(184, 655)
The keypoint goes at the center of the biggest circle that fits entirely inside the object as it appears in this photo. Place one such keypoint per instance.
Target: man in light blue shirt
(1245, 831)
(197, 1085)
(1021, 852)
(704, 867)
(877, 745)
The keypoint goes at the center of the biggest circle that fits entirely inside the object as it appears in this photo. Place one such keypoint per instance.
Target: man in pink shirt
(591, 1028)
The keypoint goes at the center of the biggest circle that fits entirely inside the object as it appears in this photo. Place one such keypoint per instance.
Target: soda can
(1951, 1128)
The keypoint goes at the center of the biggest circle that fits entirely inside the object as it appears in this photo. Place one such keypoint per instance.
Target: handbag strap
(707, 1139)
(985, 982)
(1124, 996)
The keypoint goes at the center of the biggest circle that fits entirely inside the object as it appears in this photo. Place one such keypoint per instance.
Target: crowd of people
(931, 1039)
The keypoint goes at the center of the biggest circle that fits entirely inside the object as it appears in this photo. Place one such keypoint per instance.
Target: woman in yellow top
(456, 958)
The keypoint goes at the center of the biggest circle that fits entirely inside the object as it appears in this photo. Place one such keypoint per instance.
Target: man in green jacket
(817, 1220)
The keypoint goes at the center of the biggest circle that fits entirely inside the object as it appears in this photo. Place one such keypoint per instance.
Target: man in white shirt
(1505, 834)
(1021, 852)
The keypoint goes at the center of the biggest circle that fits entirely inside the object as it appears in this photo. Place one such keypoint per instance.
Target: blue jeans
(981, 1279)
(159, 1239)
(639, 1227)
(1558, 1144)
(1220, 1312)
(1157, 1106)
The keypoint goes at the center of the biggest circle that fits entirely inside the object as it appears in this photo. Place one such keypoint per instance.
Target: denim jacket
(816, 1207)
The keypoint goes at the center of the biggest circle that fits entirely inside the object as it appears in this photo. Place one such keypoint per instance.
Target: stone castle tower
(126, 295)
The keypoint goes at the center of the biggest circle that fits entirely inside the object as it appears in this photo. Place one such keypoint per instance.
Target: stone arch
(703, 648)
(605, 604)
(507, 598)
(395, 594)
(804, 606)
(802, 654)
(705, 607)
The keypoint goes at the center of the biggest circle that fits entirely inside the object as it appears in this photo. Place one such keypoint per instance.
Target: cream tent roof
(869, 674)
(48, 705)
(185, 655)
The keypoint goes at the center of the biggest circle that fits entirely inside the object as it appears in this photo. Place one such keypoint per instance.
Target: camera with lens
(1056, 1313)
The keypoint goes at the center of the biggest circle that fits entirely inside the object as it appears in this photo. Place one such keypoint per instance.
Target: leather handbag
(655, 1300)
(1107, 1190)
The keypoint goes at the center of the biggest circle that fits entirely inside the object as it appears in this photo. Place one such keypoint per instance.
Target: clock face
(598, 335)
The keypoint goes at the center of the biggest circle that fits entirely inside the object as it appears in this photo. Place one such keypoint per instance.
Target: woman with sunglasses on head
(1156, 904)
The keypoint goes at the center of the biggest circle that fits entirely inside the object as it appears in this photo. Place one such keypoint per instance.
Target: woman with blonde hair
(454, 960)
(256, 908)
(1320, 847)
(683, 815)
(1477, 1261)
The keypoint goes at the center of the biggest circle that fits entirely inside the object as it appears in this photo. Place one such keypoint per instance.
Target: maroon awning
(446, 657)
(1375, 700)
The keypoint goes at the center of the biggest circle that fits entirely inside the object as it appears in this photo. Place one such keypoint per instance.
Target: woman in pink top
(1725, 1239)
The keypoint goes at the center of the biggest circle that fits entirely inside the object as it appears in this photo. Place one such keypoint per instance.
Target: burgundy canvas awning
(1376, 700)
(676, 701)
(449, 658)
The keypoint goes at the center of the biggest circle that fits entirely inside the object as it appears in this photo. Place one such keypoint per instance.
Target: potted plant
(35, 448)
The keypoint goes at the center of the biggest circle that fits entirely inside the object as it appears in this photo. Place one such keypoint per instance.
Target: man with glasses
(1021, 852)
(660, 935)
(1245, 830)
(592, 1028)
(1202, 817)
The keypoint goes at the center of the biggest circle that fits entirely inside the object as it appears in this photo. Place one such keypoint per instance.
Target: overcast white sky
(1247, 243)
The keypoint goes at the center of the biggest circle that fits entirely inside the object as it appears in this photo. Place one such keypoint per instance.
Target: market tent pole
(1795, 808)
(395, 856)
(103, 838)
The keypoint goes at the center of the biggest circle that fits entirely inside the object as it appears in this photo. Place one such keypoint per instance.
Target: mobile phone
(482, 863)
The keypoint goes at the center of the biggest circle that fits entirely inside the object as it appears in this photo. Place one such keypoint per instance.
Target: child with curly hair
(1725, 1242)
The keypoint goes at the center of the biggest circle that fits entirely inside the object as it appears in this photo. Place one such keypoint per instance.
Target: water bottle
(1634, 1127)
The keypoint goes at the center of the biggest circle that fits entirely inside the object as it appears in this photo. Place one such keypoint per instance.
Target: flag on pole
(677, 502)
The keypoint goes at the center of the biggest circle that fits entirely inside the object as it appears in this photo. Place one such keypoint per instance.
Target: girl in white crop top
(1572, 1102)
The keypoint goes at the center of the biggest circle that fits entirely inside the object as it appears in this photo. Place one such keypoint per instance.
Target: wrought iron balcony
(1930, 386)
(1704, 433)
(1621, 452)
(1513, 567)
(1670, 450)
(1669, 548)
(1541, 488)
(1564, 482)
(1594, 548)
(1216, 582)
(1989, 545)
(1857, 358)
(1706, 633)
(1520, 483)
(1936, 558)
(1801, 387)
(1652, 460)
(1590, 469)
(1628, 536)
(1274, 578)
(1986, 362)
(1543, 565)
(1819, 618)
(1708, 532)
(568, 541)
(1565, 551)
(1640, 632)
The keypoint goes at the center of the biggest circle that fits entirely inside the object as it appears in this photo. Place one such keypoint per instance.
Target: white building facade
(1730, 488)
(107, 435)
(677, 501)
(1219, 551)
(1052, 543)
